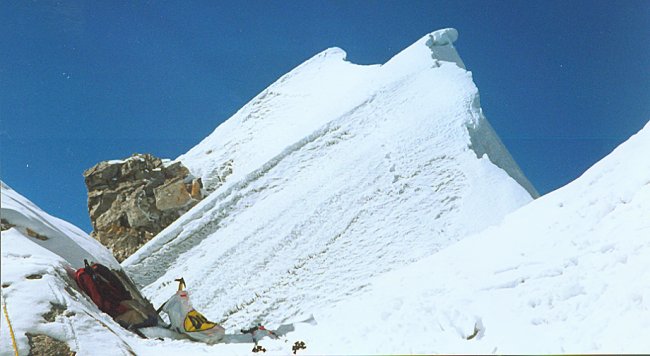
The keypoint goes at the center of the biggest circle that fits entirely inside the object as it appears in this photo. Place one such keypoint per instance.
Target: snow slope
(39, 255)
(63, 238)
(568, 273)
(340, 173)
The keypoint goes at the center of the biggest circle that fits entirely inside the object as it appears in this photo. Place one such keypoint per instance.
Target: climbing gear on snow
(108, 292)
(259, 327)
(185, 319)
(105, 290)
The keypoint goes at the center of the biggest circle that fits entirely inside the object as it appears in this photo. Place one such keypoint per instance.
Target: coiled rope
(11, 330)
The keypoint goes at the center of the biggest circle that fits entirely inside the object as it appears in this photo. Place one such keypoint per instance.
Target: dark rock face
(44, 345)
(5, 225)
(132, 200)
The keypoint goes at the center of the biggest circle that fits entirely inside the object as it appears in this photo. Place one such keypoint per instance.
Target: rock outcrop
(132, 200)
(44, 345)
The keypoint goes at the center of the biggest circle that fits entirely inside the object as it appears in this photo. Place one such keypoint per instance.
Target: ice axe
(181, 283)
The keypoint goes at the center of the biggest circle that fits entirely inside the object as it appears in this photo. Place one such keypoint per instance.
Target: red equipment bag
(103, 287)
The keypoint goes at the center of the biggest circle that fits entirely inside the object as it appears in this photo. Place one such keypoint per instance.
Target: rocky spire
(131, 200)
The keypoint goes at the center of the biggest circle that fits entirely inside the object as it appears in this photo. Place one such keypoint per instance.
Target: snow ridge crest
(441, 44)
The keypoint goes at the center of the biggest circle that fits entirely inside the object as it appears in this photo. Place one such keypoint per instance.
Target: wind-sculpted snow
(293, 107)
(568, 273)
(53, 234)
(188, 232)
(484, 141)
(374, 171)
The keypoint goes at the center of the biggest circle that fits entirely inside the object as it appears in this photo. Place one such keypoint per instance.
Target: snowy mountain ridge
(340, 173)
(54, 234)
(391, 212)
(305, 99)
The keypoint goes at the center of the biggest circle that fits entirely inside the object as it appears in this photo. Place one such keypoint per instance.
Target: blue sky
(562, 82)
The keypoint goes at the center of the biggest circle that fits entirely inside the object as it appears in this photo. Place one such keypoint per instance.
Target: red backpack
(103, 287)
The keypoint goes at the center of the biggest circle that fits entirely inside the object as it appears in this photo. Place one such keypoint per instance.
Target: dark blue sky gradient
(562, 82)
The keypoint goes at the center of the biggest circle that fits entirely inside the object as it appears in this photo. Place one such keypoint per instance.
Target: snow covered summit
(335, 174)
(324, 88)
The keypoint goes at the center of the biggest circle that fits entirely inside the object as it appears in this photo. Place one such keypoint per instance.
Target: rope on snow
(11, 330)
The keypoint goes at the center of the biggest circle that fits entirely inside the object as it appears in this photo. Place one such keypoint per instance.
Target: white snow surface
(378, 218)
(37, 274)
(340, 173)
(64, 239)
(568, 273)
